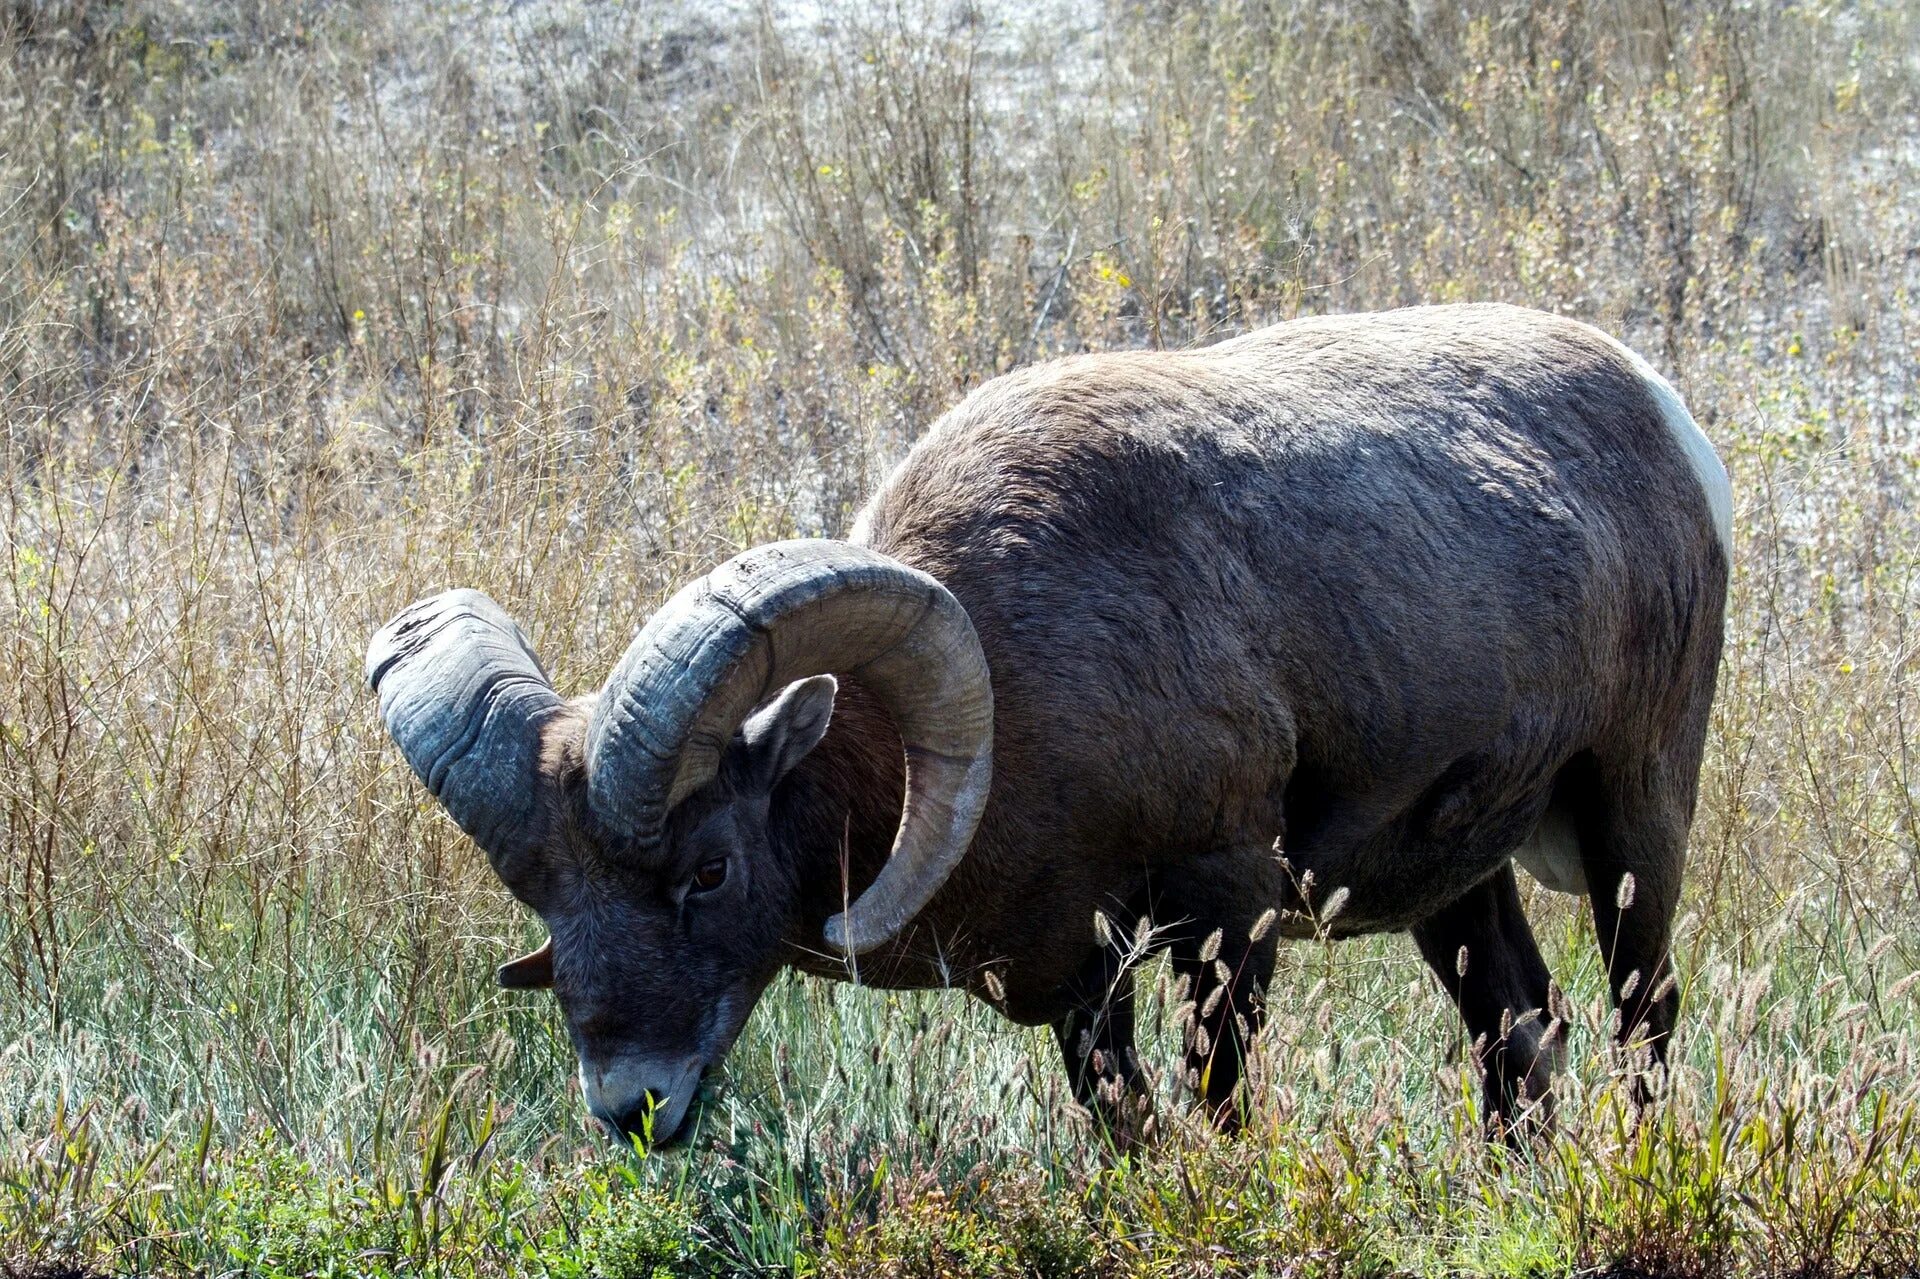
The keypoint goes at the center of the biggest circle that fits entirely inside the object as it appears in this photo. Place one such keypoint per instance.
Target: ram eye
(710, 875)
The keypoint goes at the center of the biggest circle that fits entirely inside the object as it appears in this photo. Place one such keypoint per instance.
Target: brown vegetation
(308, 310)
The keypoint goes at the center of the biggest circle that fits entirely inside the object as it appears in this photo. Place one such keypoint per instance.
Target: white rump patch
(1552, 853)
(1694, 442)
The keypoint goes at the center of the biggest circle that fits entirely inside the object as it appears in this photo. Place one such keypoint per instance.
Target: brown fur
(1377, 587)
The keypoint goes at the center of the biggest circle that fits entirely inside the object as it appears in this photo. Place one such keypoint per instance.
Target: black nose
(623, 1128)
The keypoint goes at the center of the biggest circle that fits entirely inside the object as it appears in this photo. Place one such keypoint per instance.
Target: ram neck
(836, 815)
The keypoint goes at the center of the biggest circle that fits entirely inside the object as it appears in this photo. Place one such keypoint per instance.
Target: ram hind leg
(1223, 950)
(1484, 954)
(1632, 845)
(1096, 1039)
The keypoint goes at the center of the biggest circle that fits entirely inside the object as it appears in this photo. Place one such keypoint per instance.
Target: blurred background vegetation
(309, 309)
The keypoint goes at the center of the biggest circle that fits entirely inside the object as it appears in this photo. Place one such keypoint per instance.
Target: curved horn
(780, 613)
(464, 697)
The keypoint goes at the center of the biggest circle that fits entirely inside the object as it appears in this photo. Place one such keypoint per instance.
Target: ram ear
(532, 971)
(779, 734)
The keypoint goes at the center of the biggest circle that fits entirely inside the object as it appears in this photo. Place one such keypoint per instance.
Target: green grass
(306, 313)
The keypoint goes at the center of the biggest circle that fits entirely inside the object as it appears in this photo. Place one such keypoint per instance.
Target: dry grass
(308, 310)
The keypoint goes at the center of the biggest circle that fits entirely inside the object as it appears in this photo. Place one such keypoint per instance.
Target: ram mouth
(706, 1090)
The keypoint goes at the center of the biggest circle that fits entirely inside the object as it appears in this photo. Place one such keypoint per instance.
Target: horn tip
(853, 936)
(382, 651)
(390, 643)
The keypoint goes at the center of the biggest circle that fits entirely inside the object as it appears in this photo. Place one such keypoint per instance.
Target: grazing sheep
(1414, 594)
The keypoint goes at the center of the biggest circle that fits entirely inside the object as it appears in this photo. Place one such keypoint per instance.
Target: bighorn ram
(1416, 594)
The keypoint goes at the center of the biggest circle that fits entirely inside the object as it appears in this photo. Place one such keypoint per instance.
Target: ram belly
(1552, 853)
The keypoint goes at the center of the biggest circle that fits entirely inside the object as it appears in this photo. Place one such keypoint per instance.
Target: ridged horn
(464, 697)
(780, 613)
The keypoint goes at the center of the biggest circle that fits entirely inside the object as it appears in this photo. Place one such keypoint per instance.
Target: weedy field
(309, 309)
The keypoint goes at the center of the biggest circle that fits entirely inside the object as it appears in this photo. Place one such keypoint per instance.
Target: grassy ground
(306, 310)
